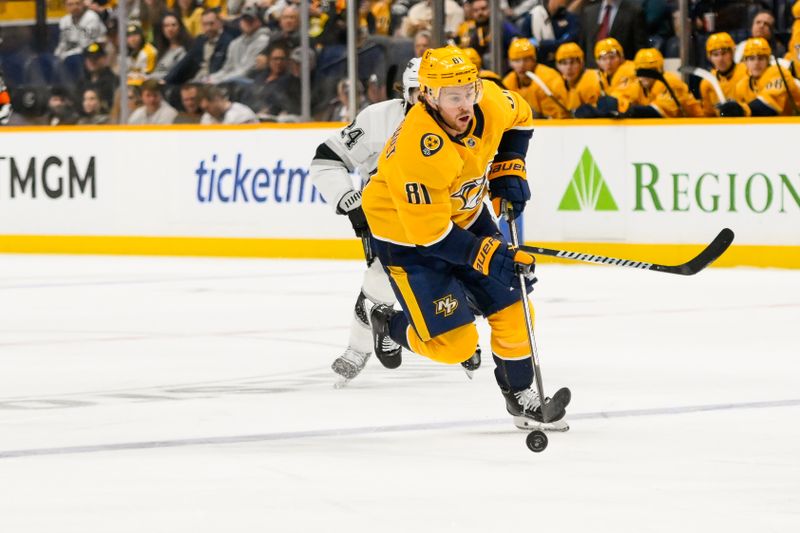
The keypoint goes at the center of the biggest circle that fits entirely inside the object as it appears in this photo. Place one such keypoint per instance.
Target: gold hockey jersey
(727, 83)
(427, 181)
(542, 105)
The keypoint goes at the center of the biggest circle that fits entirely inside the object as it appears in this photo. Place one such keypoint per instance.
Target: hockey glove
(642, 111)
(608, 106)
(507, 181)
(586, 111)
(497, 260)
(730, 109)
(350, 205)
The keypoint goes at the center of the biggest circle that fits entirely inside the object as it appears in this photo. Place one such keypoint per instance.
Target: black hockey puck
(536, 441)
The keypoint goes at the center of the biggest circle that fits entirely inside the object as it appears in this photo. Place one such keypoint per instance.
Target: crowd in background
(239, 61)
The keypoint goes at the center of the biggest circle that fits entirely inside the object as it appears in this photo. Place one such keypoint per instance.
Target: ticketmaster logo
(588, 189)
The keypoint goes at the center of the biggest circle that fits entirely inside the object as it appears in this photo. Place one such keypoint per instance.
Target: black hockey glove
(350, 205)
(507, 181)
(607, 106)
(641, 111)
(586, 111)
(730, 109)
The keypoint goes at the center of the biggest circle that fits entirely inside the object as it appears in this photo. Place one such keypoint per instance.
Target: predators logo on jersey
(470, 194)
(446, 305)
(430, 144)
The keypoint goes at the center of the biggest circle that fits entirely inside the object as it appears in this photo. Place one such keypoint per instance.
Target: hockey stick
(552, 408)
(703, 74)
(710, 254)
(546, 90)
(786, 85)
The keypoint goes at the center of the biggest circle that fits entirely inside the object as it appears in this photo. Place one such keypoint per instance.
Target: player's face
(722, 59)
(523, 65)
(647, 83)
(756, 65)
(570, 68)
(455, 106)
(609, 62)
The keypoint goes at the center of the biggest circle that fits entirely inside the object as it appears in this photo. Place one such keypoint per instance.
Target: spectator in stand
(288, 29)
(60, 110)
(79, 28)
(422, 41)
(621, 19)
(172, 43)
(518, 11)
(338, 111)
(476, 31)
(154, 109)
(150, 14)
(220, 110)
(142, 55)
(190, 101)
(5, 102)
(191, 15)
(207, 54)
(420, 17)
(133, 100)
(377, 16)
(30, 105)
(551, 26)
(97, 74)
(93, 111)
(267, 97)
(763, 26)
(243, 50)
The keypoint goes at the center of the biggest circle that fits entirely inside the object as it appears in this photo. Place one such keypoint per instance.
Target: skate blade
(529, 425)
(470, 373)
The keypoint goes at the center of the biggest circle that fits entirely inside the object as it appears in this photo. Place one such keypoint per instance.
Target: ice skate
(473, 363)
(349, 365)
(524, 406)
(387, 351)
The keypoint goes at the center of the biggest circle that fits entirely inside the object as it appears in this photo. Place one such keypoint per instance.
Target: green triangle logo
(588, 189)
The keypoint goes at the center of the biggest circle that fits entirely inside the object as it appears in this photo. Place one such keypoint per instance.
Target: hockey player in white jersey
(356, 148)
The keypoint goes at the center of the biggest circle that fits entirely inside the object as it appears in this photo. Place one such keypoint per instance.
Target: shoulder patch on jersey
(430, 144)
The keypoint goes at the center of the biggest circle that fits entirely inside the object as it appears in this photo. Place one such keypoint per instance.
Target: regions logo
(588, 189)
(470, 194)
(430, 144)
(446, 305)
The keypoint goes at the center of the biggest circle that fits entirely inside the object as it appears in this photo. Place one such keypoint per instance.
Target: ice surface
(195, 395)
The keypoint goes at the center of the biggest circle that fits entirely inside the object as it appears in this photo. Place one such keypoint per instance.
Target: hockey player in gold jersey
(522, 57)
(657, 94)
(583, 87)
(615, 71)
(719, 49)
(437, 239)
(763, 93)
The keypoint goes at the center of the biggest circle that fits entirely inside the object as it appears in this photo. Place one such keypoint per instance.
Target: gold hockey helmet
(447, 67)
(649, 59)
(719, 41)
(569, 51)
(605, 46)
(521, 48)
(756, 46)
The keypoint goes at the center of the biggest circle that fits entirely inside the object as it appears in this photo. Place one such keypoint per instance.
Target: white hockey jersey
(355, 147)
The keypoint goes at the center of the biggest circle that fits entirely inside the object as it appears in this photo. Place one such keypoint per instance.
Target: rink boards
(650, 189)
